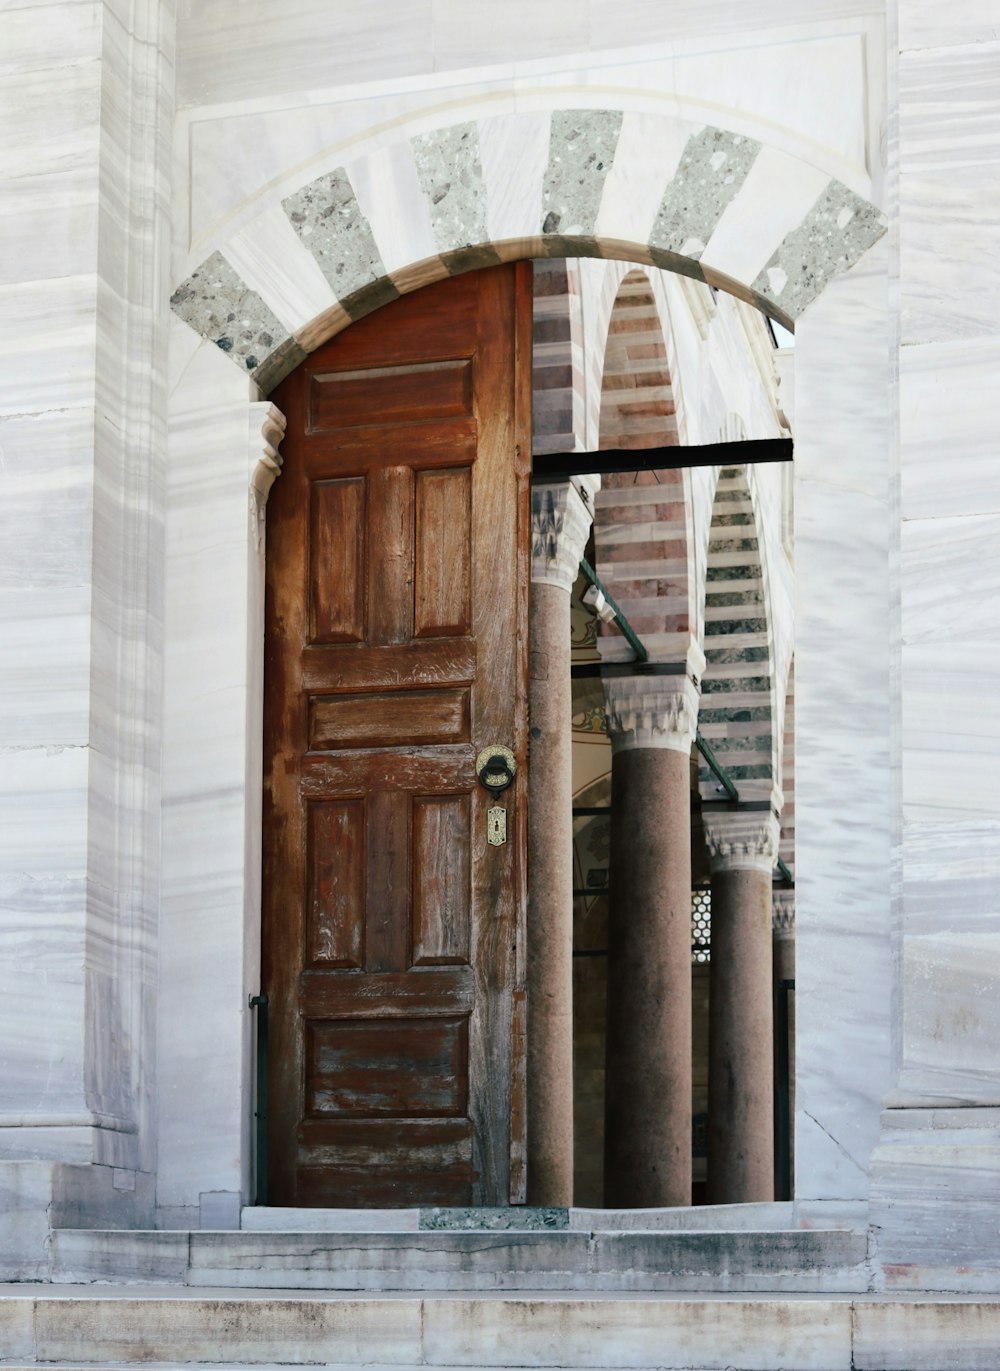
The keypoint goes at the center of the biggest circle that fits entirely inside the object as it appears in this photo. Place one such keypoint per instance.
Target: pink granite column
(742, 847)
(561, 519)
(647, 1129)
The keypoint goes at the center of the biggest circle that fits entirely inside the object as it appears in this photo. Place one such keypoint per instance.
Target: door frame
(223, 452)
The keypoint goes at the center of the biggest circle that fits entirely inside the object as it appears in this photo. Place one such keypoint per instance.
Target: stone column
(783, 969)
(560, 525)
(742, 848)
(647, 1114)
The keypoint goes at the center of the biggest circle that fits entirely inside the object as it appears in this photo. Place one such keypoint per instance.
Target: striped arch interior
(735, 712)
(637, 400)
(557, 357)
(640, 527)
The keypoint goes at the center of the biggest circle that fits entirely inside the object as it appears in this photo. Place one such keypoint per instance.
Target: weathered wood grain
(396, 648)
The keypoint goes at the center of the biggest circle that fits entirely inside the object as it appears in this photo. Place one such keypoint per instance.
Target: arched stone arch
(566, 182)
(642, 528)
(558, 418)
(637, 398)
(736, 714)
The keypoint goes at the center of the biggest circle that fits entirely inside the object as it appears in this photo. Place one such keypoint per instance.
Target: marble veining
(514, 150)
(843, 783)
(275, 262)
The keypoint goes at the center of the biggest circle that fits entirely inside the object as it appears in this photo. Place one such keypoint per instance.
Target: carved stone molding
(651, 712)
(783, 913)
(561, 516)
(267, 423)
(742, 840)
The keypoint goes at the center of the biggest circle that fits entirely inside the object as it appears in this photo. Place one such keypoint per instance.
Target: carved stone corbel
(268, 423)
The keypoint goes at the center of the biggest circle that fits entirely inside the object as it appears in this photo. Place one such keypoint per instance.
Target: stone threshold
(149, 1326)
(761, 1218)
(470, 1260)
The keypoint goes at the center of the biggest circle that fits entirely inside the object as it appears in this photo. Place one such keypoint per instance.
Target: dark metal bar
(591, 890)
(717, 771)
(783, 871)
(783, 1091)
(589, 811)
(606, 670)
(259, 1004)
(640, 652)
(558, 465)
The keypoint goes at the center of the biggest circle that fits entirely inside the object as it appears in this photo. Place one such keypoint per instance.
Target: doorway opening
(404, 1019)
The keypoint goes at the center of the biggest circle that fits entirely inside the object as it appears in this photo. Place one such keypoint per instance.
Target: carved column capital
(651, 712)
(741, 840)
(783, 913)
(561, 516)
(267, 428)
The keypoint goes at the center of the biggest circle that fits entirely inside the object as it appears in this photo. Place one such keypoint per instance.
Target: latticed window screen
(701, 925)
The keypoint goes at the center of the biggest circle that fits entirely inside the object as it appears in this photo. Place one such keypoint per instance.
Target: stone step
(729, 1217)
(99, 1327)
(793, 1261)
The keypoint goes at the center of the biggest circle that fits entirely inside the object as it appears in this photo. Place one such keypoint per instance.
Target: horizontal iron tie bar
(557, 465)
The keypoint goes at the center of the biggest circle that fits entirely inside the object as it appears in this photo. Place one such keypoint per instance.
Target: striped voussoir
(367, 257)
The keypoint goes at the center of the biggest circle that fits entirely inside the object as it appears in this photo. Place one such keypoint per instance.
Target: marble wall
(844, 792)
(777, 137)
(934, 1185)
(85, 154)
(344, 202)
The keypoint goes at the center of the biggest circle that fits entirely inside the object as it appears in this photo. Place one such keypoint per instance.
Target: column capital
(783, 913)
(741, 840)
(561, 516)
(651, 712)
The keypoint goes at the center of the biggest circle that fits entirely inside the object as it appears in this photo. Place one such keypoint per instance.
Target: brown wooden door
(395, 650)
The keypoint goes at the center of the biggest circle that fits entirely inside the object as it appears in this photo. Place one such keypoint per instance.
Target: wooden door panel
(396, 630)
(442, 880)
(435, 769)
(434, 443)
(389, 719)
(393, 1068)
(397, 994)
(447, 662)
(337, 571)
(336, 866)
(401, 394)
(443, 568)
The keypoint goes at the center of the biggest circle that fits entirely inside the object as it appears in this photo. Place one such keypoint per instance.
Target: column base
(37, 1196)
(935, 1197)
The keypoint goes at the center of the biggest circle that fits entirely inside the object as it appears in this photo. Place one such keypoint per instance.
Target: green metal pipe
(641, 654)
